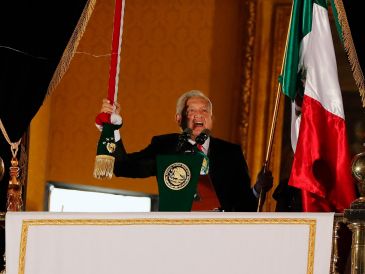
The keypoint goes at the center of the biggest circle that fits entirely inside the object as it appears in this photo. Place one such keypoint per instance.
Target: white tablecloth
(168, 243)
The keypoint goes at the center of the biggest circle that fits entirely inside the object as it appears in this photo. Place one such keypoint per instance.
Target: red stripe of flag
(115, 50)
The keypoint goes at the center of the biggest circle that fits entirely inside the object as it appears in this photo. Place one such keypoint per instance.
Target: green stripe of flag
(338, 25)
(300, 26)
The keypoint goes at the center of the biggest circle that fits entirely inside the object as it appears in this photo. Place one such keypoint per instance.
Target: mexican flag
(321, 166)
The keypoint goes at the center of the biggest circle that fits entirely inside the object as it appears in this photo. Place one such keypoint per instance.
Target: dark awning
(34, 35)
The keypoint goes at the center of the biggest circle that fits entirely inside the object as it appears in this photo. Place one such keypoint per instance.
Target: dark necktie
(200, 147)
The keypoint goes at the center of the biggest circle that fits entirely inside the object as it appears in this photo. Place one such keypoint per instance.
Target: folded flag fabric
(321, 166)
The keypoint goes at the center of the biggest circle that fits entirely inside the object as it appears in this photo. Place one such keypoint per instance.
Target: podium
(177, 178)
(168, 243)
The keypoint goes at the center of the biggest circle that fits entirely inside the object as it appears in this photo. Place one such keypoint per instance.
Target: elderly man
(227, 186)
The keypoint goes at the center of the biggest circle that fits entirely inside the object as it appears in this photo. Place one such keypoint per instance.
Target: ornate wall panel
(250, 11)
(259, 90)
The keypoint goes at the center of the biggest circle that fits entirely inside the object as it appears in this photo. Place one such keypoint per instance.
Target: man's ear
(178, 119)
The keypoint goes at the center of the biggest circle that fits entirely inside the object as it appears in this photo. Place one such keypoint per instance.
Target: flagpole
(104, 160)
(262, 196)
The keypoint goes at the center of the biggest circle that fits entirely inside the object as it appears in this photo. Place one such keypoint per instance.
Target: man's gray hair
(181, 102)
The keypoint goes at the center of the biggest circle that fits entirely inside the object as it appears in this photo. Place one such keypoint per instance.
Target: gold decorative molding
(266, 28)
(250, 14)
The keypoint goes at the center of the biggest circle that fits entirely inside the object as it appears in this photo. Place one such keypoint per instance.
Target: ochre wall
(38, 158)
(169, 47)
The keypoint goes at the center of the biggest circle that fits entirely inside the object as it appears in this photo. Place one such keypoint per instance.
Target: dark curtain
(33, 36)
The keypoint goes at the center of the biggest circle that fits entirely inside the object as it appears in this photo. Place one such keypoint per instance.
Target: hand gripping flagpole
(262, 196)
(104, 161)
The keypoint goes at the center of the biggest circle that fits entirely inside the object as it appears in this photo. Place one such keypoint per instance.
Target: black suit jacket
(227, 169)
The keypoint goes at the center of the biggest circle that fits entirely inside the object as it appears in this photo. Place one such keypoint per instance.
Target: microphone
(183, 139)
(200, 140)
(202, 137)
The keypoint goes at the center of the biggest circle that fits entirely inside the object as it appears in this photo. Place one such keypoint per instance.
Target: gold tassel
(14, 196)
(104, 166)
(351, 50)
